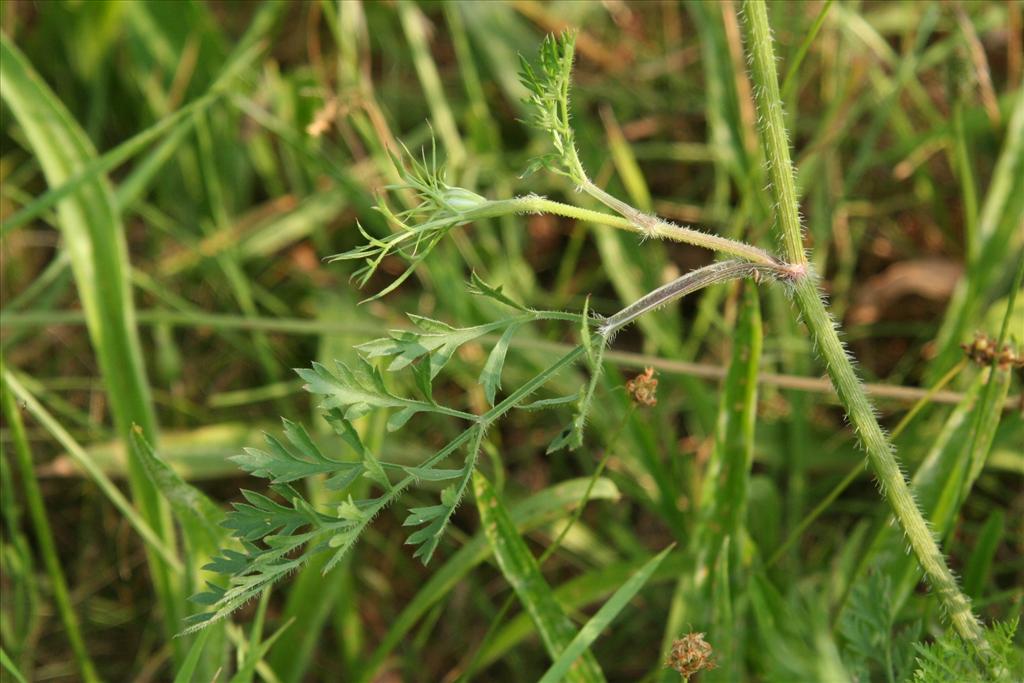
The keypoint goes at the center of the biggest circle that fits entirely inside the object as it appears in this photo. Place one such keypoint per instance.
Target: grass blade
(998, 232)
(93, 471)
(44, 535)
(256, 654)
(726, 480)
(604, 616)
(171, 128)
(94, 235)
(523, 573)
(198, 515)
(200, 520)
(188, 665)
(413, 22)
(176, 123)
(789, 82)
(10, 667)
(728, 474)
(587, 589)
(979, 563)
(17, 564)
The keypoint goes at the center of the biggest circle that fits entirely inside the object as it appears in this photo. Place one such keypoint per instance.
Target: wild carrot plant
(534, 459)
(279, 537)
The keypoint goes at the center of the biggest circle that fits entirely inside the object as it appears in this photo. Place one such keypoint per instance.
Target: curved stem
(695, 280)
(881, 455)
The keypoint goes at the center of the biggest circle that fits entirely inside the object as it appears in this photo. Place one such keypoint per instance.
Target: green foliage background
(173, 173)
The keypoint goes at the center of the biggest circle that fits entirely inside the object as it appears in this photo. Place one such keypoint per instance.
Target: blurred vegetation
(173, 173)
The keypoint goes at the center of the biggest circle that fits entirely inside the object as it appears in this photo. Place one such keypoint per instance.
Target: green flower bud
(462, 200)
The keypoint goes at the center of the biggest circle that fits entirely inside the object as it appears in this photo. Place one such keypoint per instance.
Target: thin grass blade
(94, 235)
(523, 573)
(604, 616)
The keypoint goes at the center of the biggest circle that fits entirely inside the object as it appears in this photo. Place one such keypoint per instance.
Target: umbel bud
(461, 200)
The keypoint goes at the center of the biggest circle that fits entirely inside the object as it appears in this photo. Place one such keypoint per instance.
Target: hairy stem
(631, 220)
(808, 299)
(695, 280)
(652, 226)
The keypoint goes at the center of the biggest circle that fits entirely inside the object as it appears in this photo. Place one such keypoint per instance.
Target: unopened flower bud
(460, 199)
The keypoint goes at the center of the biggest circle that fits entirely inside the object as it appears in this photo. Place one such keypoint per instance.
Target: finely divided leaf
(437, 339)
(281, 464)
(490, 376)
(261, 517)
(571, 436)
(545, 403)
(480, 288)
(432, 474)
(434, 518)
(441, 208)
(548, 85)
(355, 390)
(369, 465)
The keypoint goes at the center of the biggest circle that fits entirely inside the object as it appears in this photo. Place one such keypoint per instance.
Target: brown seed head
(983, 352)
(691, 654)
(644, 388)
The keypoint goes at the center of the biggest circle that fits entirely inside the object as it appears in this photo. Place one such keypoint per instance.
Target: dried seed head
(691, 654)
(983, 351)
(644, 388)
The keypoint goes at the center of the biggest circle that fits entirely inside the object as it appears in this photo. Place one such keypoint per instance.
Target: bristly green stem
(631, 220)
(808, 299)
(855, 472)
(549, 85)
(773, 133)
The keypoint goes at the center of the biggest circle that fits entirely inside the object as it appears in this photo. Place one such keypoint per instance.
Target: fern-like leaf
(275, 533)
(481, 288)
(434, 338)
(282, 464)
(490, 376)
(434, 519)
(952, 660)
(548, 86)
(867, 629)
(359, 389)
